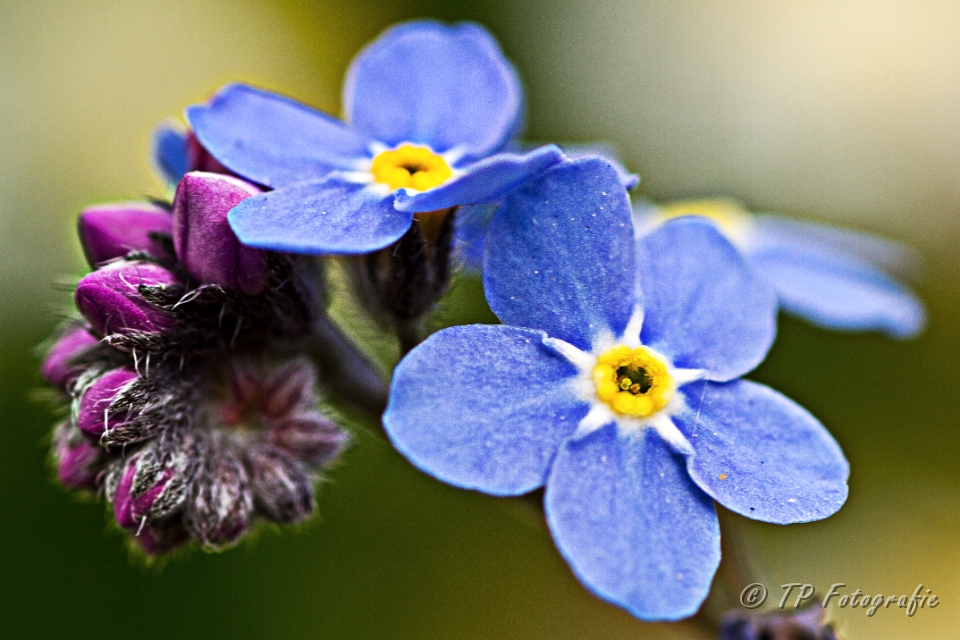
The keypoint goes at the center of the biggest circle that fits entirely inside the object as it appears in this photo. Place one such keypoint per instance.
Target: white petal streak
(669, 432)
(599, 415)
(580, 359)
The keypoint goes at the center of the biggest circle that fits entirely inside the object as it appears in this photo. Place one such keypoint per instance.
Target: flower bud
(205, 243)
(310, 437)
(79, 462)
(161, 538)
(57, 368)
(110, 231)
(153, 485)
(281, 486)
(221, 505)
(110, 298)
(94, 415)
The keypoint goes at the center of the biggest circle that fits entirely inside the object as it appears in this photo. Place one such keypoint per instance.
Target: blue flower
(832, 277)
(170, 152)
(428, 110)
(618, 392)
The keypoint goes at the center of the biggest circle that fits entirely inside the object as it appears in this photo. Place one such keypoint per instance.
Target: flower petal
(631, 523)
(469, 235)
(330, 216)
(704, 307)
(885, 254)
(760, 454)
(560, 254)
(272, 139)
(485, 182)
(483, 407)
(424, 82)
(830, 286)
(170, 152)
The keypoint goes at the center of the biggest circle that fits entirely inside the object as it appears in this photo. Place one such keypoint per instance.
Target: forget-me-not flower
(429, 110)
(613, 381)
(832, 277)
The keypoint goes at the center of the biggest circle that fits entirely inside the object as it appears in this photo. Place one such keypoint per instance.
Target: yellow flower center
(633, 382)
(411, 167)
(727, 214)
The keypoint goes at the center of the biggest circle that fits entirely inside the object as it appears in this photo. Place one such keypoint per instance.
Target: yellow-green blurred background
(845, 111)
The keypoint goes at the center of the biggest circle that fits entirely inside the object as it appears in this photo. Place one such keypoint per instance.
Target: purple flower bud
(153, 485)
(110, 231)
(221, 506)
(310, 437)
(281, 486)
(205, 243)
(57, 368)
(79, 463)
(94, 415)
(110, 298)
(161, 538)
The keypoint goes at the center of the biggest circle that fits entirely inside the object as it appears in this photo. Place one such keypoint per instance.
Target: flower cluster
(192, 413)
(614, 381)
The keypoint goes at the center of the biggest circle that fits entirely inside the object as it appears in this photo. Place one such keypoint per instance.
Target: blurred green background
(844, 111)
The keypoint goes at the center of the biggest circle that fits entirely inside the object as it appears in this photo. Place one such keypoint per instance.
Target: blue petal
(606, 151)
(325, 217)
(762, 455)
(704, 307)
(560, 254)
(886, 254)
(470, 233)
(485, 182)
(483, 407)
(831, 287)
(631, 523)
(170, 152)
(446, 87)
(273, 140)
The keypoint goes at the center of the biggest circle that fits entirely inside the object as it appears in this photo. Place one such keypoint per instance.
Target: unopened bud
(110, 231)
(221, 504)
(205, 243)
(153, 485)
(79, 463)
(94, 415)
(110, 298)
(310, 437)
(281, 486)
(161, 538)
(57, 367)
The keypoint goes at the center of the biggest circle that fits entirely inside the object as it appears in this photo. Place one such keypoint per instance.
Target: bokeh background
(844, 111)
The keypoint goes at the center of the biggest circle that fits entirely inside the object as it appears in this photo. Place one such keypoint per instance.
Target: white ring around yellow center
(410, 167)
(633, 381)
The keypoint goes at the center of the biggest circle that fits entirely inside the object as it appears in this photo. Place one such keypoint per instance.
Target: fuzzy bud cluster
(191, 415)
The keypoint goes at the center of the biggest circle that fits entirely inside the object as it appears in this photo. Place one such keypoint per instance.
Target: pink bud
(94, 416)
(110, 231)
(110, 298)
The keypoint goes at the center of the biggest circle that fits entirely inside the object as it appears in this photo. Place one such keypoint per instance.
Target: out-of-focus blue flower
(428, 110)
(620, 394)
(832, 277)
(171, 157)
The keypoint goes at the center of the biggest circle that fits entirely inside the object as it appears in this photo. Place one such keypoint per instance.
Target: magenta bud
(310, 437)
(110, 231)
(151, 487)
(94, 416)
(163, 538)
(110, 298)
(79, 463)
(204, 241)
(57, 368)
